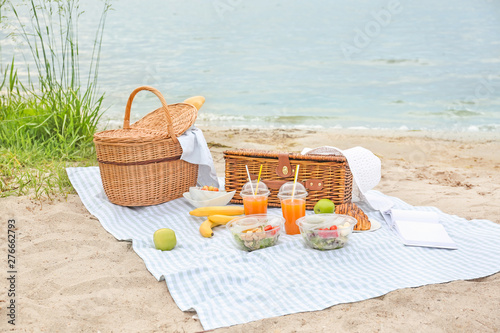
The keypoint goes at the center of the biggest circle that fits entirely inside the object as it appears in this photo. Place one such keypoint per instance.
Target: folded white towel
(195, 150)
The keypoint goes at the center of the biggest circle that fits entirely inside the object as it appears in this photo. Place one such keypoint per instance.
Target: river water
(399, 64)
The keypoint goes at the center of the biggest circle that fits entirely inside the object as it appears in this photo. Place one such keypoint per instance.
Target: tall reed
(48, 117)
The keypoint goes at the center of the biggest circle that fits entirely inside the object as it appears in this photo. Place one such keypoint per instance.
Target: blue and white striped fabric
(227, 286)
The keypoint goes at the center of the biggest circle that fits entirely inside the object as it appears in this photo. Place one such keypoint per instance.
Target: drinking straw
(295, 181)
(249, 179)
(258, 180)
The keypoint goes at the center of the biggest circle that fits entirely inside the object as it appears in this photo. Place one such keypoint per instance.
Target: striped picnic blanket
(227, 286)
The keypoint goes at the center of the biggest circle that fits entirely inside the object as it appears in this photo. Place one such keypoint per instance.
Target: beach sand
(73, 276)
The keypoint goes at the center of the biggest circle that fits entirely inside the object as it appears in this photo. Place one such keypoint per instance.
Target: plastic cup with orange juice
(293, 207)
(255, 198)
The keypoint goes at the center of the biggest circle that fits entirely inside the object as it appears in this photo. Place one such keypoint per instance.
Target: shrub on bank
(48, 118)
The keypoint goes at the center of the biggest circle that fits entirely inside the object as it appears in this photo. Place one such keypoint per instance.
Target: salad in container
(326, 231)
(258, 231)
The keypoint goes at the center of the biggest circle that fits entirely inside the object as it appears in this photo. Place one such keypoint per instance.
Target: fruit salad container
(326, 231)
(199, 193)
(253, 232)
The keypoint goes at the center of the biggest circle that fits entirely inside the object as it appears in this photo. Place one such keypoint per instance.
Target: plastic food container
(326, 231)
(253, 232)
(292, 208)
(255, 198)
(196, 193)
(201, 198)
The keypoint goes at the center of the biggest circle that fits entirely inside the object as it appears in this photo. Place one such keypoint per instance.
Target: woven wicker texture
(332, 172)
(140, 165)
(183, 117)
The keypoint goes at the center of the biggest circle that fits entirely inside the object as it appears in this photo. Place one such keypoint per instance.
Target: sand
(75, 277)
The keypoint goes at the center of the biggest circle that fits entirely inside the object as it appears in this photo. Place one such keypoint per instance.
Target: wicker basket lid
(129, 135)
(183, 117)
(275, 154)
(169, 121)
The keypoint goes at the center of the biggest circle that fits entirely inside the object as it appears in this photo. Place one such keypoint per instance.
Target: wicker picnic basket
(140, 165)
(324, 176)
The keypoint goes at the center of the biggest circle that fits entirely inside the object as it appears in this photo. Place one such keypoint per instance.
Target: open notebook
(418, 228)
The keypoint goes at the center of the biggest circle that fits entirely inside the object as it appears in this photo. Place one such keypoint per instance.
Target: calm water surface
(376, 64)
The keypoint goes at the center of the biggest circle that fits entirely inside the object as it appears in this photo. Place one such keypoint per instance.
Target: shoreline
(472, 131)
(447, 135)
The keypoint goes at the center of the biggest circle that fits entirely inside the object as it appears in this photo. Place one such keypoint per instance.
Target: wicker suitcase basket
(140, 165)
(323, 176)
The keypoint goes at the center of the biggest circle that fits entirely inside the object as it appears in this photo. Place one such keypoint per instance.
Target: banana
(196, 101)
(218, 210)
(213, 221)
(206, 229)
(220, 219)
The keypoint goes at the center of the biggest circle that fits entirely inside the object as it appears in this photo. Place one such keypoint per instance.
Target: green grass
(47, 122)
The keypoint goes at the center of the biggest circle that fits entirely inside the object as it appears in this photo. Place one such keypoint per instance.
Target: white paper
(424, 234)
(417, 228)
(414, 215)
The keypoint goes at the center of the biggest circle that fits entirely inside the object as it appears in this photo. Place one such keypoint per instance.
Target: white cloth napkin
(364, 165)
(378, 202)
(195, 150)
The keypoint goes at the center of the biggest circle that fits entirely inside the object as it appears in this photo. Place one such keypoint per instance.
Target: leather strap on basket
(166, 159)
(273, 184)
(126, 121)
(309, 184)
(284, 168)
(313, 184)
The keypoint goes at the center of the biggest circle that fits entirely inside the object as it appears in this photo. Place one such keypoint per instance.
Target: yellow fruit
(164, 239)
(206, 229)
(196, 101)
(218, 210)
(220, 219)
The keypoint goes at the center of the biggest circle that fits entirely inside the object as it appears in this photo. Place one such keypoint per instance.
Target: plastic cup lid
(286, 191)
(247, 189)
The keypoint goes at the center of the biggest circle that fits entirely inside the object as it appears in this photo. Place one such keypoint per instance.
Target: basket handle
(126, 121)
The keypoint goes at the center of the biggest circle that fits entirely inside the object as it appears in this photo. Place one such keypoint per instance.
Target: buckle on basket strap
(313, 184)
(284, 168)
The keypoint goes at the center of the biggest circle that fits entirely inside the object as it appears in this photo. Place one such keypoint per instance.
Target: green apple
(164, 239)
(324, 206)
